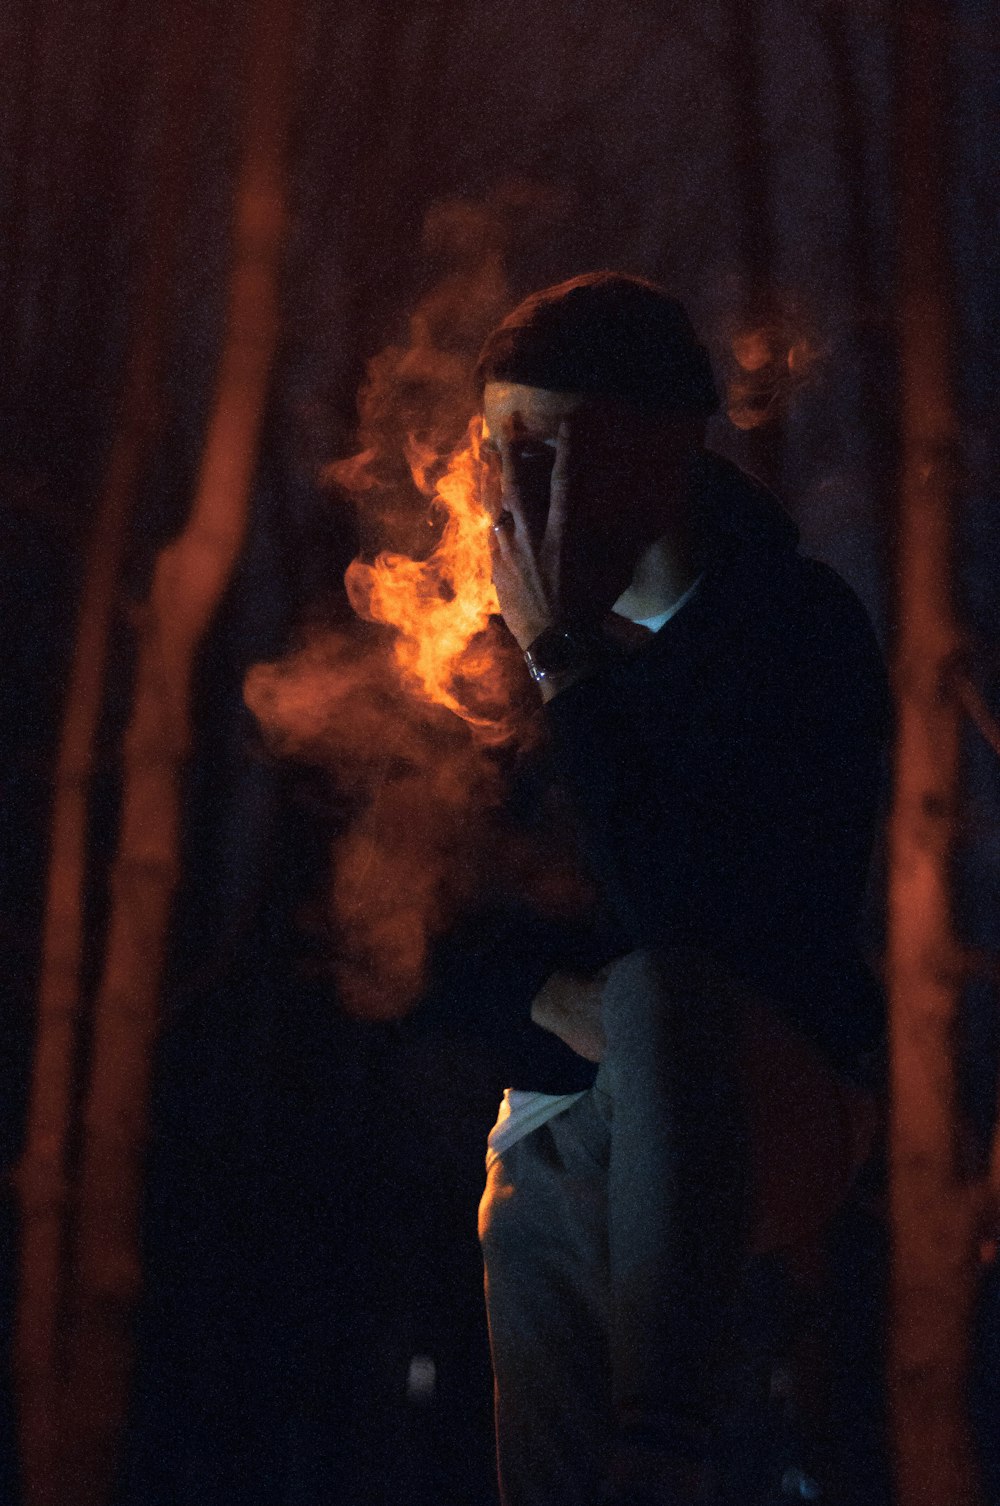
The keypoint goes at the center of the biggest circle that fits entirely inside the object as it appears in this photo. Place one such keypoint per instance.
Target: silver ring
(502, 521)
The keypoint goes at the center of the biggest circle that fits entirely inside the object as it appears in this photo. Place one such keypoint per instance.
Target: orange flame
(441, 605)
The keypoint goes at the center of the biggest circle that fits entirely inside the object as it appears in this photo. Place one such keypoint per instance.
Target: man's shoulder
(744, 509)
(764, 570)
(824, 595)
(770, 620)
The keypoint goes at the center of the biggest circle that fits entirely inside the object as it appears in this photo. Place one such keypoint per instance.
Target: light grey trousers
(614, 1236)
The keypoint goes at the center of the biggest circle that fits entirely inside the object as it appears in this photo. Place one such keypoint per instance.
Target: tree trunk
(42, 1174)
(190, 577)
(934, 1210)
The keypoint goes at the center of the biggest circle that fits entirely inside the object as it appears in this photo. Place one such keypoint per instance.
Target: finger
(504, 525)
(491, 483)
(504, 571)
(510, 492)
(497, 543)
(559, 486)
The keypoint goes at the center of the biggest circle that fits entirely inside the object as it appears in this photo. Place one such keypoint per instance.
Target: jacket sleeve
(636, 775)
(485, 977)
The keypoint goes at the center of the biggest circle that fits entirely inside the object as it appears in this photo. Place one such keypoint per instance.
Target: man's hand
(569, 1006)
(559, 551)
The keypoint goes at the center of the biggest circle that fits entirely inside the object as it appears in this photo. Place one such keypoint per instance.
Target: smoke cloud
(766, 365)
(412, 714)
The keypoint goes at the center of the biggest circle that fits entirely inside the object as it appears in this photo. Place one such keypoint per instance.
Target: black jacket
(726, 784)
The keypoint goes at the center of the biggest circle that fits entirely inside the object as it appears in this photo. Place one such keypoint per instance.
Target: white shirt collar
(655, 623)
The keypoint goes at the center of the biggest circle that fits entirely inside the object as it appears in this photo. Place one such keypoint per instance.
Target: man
(716, 714)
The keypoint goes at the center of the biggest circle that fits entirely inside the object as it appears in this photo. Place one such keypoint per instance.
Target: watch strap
(566, 648)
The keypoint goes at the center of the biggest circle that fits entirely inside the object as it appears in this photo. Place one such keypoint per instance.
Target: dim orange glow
(800, 357)
(771, 362)
(752, 350)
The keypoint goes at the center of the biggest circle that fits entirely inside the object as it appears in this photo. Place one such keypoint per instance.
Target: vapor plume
(767, 363)
(408, 714)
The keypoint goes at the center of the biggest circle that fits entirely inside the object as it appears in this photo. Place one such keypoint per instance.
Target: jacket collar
(748, 512)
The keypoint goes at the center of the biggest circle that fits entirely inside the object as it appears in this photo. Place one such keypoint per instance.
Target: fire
(441, 606)
(408, 716)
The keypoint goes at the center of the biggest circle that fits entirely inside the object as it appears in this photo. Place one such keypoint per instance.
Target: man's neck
(667, 569)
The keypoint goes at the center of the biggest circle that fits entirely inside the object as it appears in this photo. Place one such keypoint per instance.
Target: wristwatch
(566, 648)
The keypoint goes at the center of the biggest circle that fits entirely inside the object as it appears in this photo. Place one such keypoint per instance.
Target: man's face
(523, 422)
(531, 413)
(629, 469)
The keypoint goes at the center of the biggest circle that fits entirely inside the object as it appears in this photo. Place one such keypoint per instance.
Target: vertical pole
(41, 1176)
(934, 1212)
(190, 577)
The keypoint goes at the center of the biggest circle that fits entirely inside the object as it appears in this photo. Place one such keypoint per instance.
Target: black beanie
(608, 335)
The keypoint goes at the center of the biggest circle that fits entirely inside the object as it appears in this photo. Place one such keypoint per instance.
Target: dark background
(310, 1216)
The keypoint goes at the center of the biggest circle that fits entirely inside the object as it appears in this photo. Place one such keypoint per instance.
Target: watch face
(554, 651)
(562, 648)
